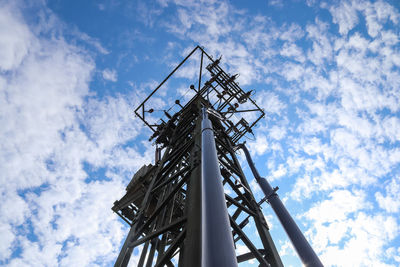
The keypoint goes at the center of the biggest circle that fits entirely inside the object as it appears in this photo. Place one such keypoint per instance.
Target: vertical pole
(217, 241)
(143, 255)
(157, 155)
(154, 243)
(192, 248)
(300, 243)
(201, 69)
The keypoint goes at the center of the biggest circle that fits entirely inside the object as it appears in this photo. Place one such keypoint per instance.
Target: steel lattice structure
(174, 206)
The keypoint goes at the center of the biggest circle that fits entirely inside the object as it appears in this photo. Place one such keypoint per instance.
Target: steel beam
(192, 243)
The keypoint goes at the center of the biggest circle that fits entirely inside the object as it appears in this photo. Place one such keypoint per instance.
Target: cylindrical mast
(217, 241)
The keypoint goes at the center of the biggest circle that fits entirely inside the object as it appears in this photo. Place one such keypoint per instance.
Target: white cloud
(269, 219)
(38, 102)
(372, 18)
(276, 132)
(293, 71)
(393, 254)
(321, 43)
(391, 128)
(276, 3)
(92, 41)
(304, 187)
(368, 236)
(286, 249)
(49, 212)
(390, 202)
(337, 208)
(345, 15)
(278, 173)
(8, 237)
(259, 146)
(291, 33)
(270, 102)
(110, 75)
(292, 51)
(15, 38)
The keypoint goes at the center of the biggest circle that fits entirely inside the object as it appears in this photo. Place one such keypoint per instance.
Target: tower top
(220, 92)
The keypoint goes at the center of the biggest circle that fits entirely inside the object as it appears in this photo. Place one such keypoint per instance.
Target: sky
(327, 74)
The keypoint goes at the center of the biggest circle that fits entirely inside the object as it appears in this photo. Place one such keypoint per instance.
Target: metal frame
(229, 98)
(166, 204)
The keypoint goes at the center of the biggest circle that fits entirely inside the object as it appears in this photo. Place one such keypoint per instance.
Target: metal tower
(194, 206)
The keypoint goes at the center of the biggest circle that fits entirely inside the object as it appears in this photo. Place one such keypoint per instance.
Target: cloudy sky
(327, 74)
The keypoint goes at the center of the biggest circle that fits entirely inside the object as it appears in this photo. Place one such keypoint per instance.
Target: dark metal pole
(300, 243)
(217, 241)
(192, 248)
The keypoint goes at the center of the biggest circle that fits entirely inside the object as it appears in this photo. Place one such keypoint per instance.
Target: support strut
(300, 243)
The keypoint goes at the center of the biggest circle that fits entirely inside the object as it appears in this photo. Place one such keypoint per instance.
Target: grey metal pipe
(217, 241)
(300, 243)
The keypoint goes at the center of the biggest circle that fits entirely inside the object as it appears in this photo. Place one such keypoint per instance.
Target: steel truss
(164, 203)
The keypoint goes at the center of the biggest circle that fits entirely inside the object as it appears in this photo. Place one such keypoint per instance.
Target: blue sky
(327, 74)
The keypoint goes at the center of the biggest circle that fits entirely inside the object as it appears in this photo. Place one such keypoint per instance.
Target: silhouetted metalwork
(194, 206)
